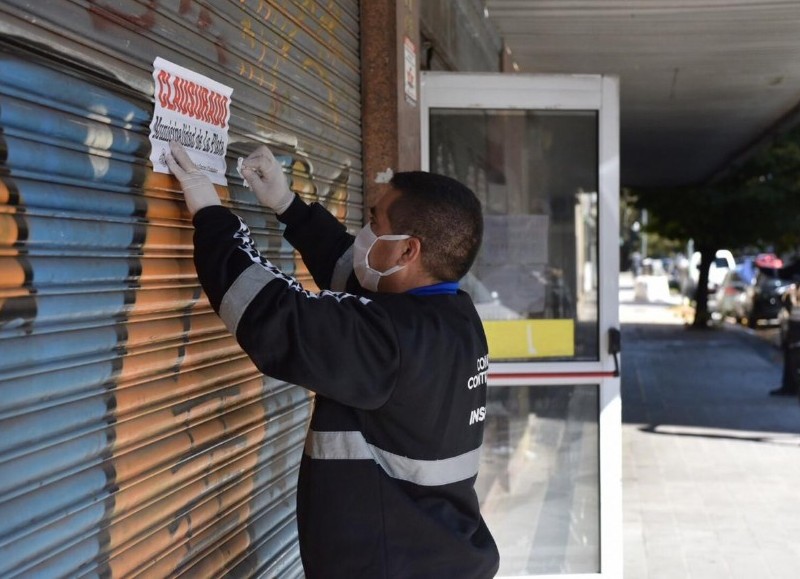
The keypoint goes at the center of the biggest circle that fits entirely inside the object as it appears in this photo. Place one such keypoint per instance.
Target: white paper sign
(193, 110)
(410, 69)
(515, 239)
(513, 260)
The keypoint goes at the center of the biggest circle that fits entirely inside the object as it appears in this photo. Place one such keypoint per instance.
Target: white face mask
(368, 277)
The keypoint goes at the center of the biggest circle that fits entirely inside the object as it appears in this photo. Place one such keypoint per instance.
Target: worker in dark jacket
(394, 351)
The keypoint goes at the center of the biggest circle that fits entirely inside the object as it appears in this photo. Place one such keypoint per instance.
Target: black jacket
(386, 485)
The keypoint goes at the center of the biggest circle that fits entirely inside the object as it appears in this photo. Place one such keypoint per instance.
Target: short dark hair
(444, 215)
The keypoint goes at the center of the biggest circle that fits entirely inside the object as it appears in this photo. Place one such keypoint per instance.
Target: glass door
(542, 154)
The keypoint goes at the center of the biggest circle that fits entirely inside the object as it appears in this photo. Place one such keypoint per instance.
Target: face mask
(368, 277)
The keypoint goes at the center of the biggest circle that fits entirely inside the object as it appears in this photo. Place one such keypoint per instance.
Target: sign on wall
(410, 71)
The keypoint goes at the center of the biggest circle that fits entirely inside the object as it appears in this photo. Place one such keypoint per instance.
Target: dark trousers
(791, 358)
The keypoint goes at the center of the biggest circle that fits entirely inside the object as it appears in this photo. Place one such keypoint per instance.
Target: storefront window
(535, 172)
(539, 478)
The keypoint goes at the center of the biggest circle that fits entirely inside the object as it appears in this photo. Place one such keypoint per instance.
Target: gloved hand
(265, 176)
(197, 188)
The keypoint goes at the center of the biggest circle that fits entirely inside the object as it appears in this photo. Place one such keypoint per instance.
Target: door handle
(615, 347)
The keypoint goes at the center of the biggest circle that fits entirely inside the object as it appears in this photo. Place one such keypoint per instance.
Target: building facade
(135, 436)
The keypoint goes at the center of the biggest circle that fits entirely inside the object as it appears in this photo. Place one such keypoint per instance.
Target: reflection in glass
(535, 173)
(539, 478)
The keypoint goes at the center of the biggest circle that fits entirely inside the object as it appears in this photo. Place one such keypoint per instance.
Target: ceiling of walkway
(702, 82)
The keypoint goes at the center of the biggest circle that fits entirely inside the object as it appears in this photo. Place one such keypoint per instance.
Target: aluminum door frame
(457, 90)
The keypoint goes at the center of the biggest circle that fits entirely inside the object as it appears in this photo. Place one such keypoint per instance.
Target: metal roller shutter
(136, 438)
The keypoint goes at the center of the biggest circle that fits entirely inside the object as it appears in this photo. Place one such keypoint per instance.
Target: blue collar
(445, 287)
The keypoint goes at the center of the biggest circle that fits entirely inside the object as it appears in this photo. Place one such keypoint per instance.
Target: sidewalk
(711, 463)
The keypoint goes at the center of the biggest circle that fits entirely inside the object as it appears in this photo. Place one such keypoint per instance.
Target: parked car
(764, 298)
(790, 299)
(768, 260)
(487, 302)
(723, 262)
(730, 299)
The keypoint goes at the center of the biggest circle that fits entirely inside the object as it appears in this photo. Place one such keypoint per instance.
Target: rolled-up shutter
(136, 438)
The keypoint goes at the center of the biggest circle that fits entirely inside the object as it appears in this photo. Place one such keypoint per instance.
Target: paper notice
(410, 69)
(193, 110)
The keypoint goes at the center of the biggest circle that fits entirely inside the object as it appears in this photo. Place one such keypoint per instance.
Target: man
(398, 365)
(790, 342)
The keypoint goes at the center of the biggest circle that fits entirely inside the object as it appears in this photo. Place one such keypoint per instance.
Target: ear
(412, 251)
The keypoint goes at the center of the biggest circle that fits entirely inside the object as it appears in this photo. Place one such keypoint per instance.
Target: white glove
(265, 176)
(197, 188)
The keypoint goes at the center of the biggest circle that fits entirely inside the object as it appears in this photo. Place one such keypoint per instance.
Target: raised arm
(337, 344)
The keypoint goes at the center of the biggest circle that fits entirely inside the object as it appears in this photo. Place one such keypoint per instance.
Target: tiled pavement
(711, 463)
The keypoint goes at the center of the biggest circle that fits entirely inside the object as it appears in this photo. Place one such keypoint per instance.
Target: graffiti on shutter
(136, 438)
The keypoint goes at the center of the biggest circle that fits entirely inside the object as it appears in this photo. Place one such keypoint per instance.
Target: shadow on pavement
(706, 380)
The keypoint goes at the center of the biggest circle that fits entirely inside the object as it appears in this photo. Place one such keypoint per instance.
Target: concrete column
(390, 117)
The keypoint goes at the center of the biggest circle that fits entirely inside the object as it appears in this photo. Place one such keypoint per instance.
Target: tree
(757, 204)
